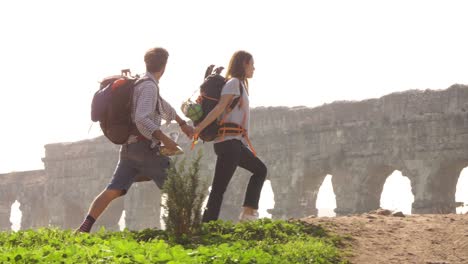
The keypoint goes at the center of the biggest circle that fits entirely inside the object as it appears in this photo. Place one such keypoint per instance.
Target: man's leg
(102, 201)
(98, 206)
(122, 179)
(124, 176)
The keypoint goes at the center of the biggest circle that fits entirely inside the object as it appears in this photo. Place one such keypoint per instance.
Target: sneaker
(248, 217)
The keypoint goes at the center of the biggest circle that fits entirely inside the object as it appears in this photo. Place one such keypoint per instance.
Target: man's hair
(156, 59)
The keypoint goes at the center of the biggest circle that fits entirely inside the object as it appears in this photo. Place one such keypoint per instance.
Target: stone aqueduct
(423, 134)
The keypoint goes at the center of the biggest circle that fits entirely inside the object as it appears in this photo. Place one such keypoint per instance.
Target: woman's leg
(228, 158)
(253, 164)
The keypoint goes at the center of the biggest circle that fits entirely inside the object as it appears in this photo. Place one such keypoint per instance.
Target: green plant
(184, 198)
(262, 241)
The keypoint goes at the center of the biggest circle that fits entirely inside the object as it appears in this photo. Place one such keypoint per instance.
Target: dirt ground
(381, 237)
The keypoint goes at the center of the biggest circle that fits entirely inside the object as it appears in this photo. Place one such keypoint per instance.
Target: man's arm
(168, 113)
(145, 106)
(188, 130)
(144, 110)
(167, 141)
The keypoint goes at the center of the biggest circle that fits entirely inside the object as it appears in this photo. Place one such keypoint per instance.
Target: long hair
(236, 68)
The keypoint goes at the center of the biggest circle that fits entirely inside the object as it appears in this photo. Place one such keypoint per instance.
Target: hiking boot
(248, 217)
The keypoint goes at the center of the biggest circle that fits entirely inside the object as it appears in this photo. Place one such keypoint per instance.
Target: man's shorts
(139, 160)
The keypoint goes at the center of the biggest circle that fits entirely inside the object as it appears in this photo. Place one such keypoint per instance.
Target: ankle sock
(87, 224)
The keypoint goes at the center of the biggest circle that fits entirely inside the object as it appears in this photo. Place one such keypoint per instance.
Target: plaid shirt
(144, 114)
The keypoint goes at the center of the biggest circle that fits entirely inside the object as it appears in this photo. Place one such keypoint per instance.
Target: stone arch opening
(205, 202)
(326, 198)
(396, 194)
(461, 194)
(16, 216)
(163, 211)
(358, 187)
(121, 222)
(267, 200)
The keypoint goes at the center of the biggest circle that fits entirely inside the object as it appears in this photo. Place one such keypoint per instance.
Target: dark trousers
(233, 153)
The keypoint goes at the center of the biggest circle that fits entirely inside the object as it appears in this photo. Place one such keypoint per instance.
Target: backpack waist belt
(141, 138)
(135, 132)
(232, 129)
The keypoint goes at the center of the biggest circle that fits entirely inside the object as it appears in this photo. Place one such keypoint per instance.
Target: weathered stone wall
(79, 171)
(423, 134)
(28, 188)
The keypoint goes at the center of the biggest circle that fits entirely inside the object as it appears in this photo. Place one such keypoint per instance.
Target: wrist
(182, 123)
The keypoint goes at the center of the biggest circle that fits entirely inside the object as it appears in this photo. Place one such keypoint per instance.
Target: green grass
(262, 241)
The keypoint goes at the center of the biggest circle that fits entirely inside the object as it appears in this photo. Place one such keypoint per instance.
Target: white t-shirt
(238, 115)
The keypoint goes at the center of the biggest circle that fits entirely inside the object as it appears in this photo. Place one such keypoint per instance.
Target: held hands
(196, 131)
(188, 130)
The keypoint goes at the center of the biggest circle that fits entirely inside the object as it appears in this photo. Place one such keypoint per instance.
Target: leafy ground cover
(262, 241)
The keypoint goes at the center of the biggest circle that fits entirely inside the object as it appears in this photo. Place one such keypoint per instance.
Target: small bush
(185, 194)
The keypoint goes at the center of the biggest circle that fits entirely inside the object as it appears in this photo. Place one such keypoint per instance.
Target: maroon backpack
(112, 106)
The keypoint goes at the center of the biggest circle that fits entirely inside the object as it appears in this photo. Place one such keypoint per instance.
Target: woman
(232, 145)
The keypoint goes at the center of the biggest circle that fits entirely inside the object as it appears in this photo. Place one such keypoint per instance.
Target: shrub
(185, 194)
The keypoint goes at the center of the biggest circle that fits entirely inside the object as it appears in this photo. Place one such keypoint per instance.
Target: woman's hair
(236, 68)
(156, 59)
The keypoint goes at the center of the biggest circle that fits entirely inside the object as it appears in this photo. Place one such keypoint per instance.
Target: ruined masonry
(423, 134)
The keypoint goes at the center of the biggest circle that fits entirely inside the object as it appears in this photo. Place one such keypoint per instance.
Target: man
(140, 157)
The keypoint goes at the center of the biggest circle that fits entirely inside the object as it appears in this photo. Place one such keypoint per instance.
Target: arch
(326, 198)
(16, 216)
(163, 211)
(396, 194)
(434, 184)
(7, 198)
(267, 200)
(121, 222)
(358, 186)
(461, 194)
(205, 201)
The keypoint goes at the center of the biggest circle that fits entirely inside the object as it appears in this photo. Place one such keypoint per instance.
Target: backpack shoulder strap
(236, 101)
(138, 81)
(142, 80)
(145, 79)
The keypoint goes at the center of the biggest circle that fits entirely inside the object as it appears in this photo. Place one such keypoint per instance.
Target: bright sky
(52, 54)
